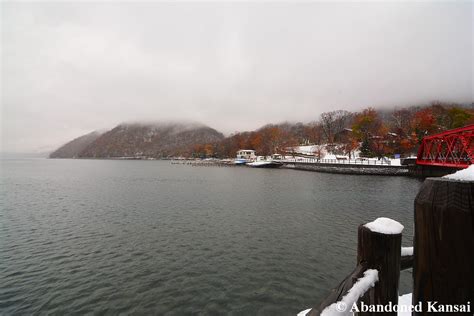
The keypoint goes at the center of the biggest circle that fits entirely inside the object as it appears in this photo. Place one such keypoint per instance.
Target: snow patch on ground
(462, 175)
(322, 152)
(407, 251)
(357, 290)
(309, 149)
(385, 225)
(396, 162)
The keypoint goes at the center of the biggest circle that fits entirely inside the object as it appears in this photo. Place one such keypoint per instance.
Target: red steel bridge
(453, 148)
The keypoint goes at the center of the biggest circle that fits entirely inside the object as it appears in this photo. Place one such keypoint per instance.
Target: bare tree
(334, 122)
(327, 124)
(401, 121)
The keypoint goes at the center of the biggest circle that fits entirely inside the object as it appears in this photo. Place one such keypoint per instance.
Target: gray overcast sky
(70, 68)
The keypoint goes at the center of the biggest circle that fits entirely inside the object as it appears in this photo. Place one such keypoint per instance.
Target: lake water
(149, 237)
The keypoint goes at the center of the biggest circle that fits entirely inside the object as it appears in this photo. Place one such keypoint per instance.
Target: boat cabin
(246, 154)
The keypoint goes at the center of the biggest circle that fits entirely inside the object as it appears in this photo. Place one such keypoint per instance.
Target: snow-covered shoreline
(384, 170)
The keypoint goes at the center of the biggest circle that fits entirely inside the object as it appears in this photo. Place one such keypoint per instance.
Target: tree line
(374, 132)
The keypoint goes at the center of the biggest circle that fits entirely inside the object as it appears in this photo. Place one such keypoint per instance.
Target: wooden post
(406, 262)
(443, 269)
(381, 251)
(375, 250)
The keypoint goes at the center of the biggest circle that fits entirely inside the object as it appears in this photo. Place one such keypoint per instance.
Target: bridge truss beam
(453, 148)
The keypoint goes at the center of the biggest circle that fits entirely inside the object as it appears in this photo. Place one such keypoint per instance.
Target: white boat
(262, 162)
(241, 161)
(245, 156)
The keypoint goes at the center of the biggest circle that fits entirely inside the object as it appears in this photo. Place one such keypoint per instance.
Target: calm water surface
(149, 237)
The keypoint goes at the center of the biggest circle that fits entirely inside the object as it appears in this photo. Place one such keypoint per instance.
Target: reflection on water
(101, 236)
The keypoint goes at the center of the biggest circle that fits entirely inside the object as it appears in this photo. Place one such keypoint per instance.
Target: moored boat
(240, 162)
(265, 164)
(245, 156)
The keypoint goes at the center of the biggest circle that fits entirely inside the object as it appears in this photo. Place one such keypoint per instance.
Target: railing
(377, 250)
(381, 162)
(442, 256)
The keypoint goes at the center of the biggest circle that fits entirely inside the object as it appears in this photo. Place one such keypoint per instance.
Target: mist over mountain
(141, 139)
(73, 148)
(383, 133)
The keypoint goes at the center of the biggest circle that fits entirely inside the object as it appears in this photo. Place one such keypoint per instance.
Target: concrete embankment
(385, 170)
(424, 171)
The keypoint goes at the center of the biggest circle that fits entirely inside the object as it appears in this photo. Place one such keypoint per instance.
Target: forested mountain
(75, 146)
(373, 132)
(147, 140)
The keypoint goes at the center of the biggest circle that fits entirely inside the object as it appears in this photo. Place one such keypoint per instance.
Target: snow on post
(343, 307)
(385, 225)
(304, 313)
(462, 175)
(407, 251)
(406, 260)
(379, 247)
(378, 260)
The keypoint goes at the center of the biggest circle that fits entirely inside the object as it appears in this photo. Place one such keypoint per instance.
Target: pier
(439, 154)
(364, 167)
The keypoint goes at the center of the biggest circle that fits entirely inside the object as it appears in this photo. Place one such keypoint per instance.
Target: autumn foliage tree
(459, 117)
(374, 133)
(367, 127)
(314, 133)
(424, 123)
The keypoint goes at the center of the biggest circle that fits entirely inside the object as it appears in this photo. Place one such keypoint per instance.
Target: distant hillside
(375, 133)
(73, 148)
(155, 140)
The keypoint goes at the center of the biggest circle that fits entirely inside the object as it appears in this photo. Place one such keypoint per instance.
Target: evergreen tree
(365, 148)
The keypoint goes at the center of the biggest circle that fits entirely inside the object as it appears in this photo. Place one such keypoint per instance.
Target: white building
(246, 154)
